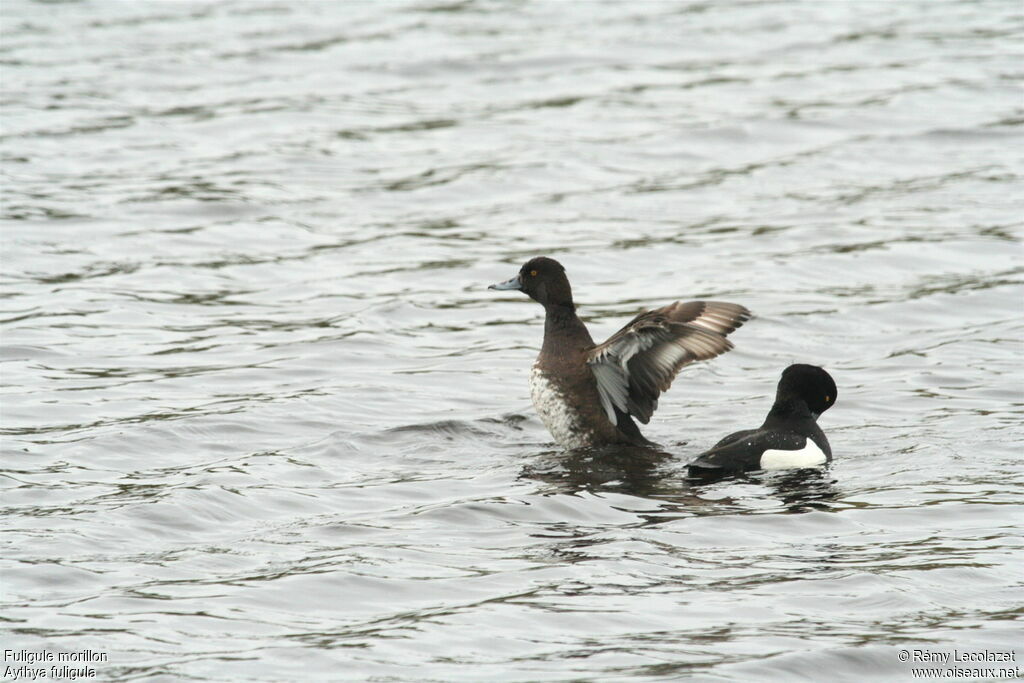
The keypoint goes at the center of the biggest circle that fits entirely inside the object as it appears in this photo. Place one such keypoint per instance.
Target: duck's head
(808, 383)
(543, 280)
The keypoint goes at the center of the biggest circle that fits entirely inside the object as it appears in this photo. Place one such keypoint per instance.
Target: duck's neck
(789, 408)
(563, 329)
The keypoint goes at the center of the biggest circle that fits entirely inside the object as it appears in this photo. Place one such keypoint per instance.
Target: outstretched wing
(640, 361)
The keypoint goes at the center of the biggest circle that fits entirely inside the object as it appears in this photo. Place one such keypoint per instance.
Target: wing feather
(640, 361)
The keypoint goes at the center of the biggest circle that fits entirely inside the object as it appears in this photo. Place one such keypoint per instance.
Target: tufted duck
(588, 394)
(790, 435)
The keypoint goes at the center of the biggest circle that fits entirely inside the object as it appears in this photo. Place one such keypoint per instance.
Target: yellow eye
(828, 398)
(533, 273)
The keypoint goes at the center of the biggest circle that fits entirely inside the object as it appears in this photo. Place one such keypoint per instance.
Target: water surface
(262, 420)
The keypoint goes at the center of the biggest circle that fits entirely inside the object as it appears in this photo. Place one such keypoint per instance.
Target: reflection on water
(655, 475)
(634, 470)
(261, 418)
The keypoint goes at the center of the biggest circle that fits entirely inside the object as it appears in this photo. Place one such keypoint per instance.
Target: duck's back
(767, 448)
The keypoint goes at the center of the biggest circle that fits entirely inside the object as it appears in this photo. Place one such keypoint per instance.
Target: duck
(789, 437)
(592, 395)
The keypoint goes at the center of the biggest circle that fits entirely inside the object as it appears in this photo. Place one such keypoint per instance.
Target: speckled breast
(563, 421)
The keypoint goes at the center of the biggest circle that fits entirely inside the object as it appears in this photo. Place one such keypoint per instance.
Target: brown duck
(588, 394)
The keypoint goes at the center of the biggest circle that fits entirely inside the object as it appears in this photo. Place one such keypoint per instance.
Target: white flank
(561, 420)
(808, 456)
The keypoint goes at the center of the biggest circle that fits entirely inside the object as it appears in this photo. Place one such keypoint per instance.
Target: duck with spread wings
(589, 394)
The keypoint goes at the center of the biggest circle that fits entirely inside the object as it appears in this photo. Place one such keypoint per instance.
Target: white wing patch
(718, 319)
(611, 371)
(612, 387)
(808, 456)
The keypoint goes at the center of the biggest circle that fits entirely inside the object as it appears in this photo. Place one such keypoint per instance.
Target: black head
(808, 383)
(542, 279)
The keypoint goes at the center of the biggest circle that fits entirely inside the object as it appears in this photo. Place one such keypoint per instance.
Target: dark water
(263, 421)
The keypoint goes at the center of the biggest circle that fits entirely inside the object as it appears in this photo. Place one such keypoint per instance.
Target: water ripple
(262, 419)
